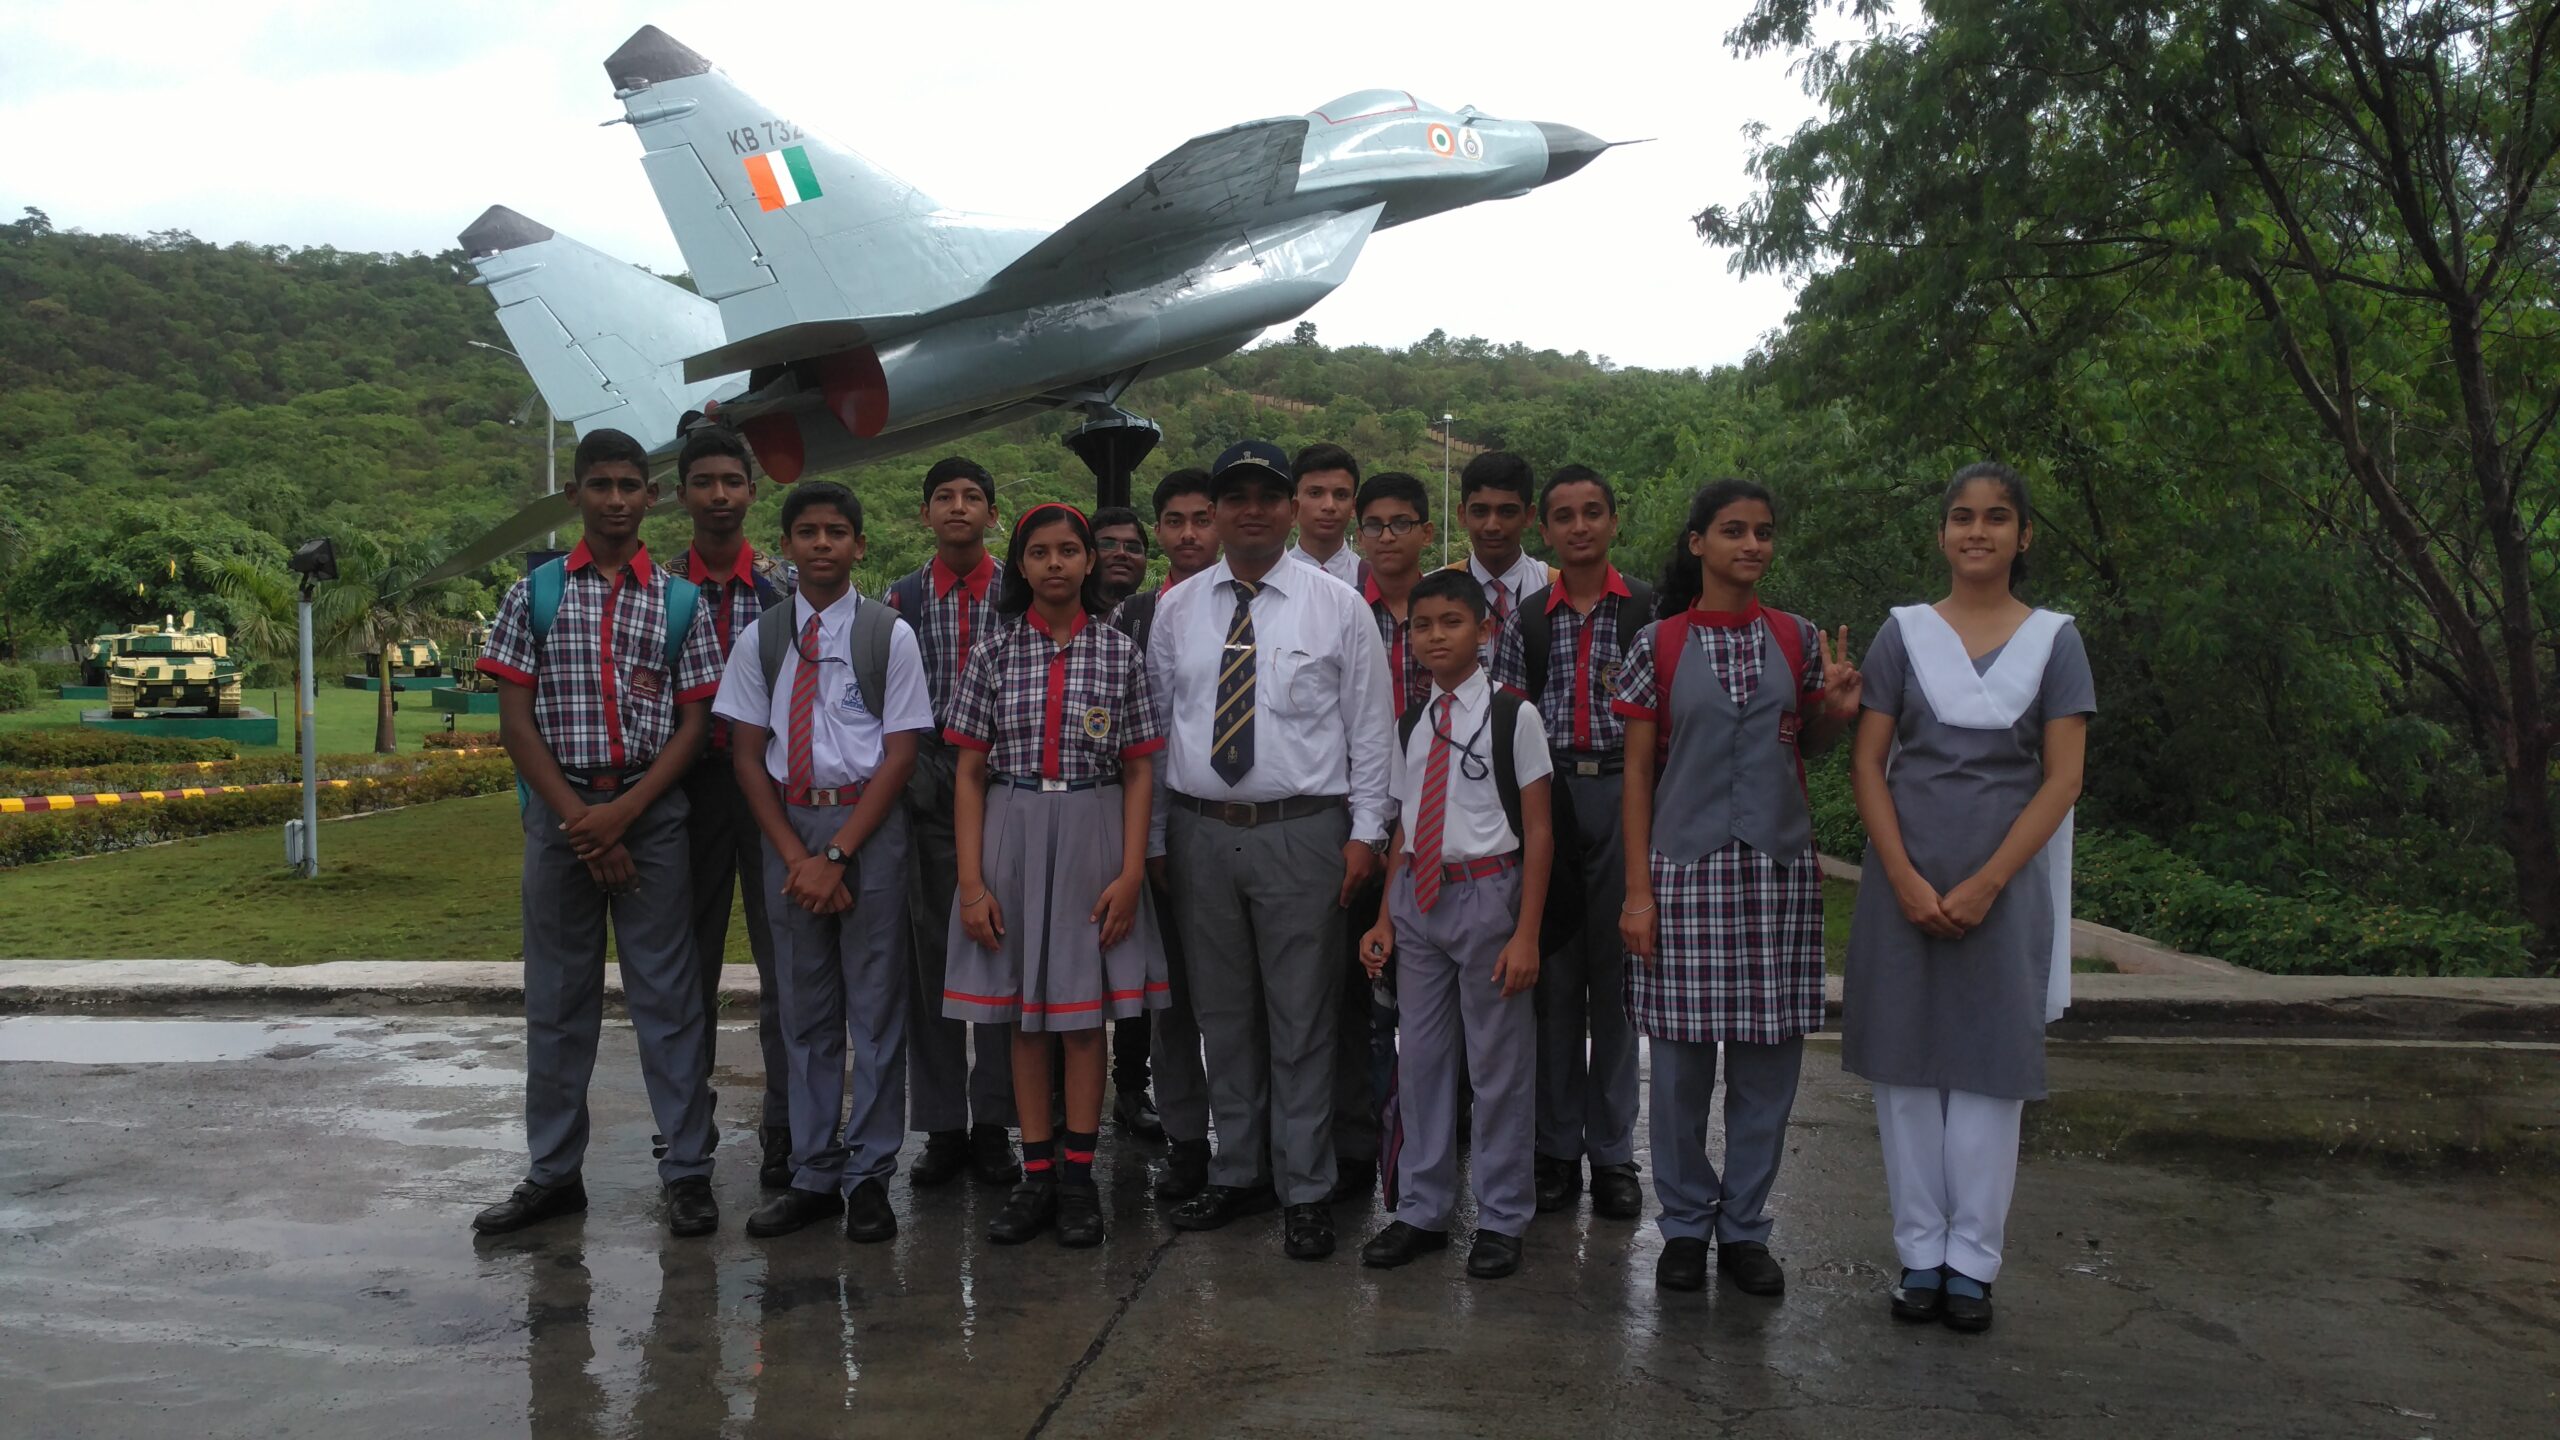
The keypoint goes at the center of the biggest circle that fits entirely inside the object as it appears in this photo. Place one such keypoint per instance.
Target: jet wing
(1215, 184)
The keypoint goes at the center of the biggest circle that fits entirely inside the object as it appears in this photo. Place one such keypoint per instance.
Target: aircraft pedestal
(1112, 446)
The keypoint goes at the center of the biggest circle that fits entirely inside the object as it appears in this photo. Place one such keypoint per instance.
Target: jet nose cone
(1568, 150)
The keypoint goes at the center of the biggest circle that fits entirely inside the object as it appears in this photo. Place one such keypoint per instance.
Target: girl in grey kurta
(1967, 764)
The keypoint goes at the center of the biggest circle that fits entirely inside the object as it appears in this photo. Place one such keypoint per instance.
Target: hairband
(1024, 523)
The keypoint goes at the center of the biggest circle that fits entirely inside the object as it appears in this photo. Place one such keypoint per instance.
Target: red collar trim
(580, 558)
(1724, 619)
(1617, 585)
(1075, 627)
(744, 572)
(943, 577)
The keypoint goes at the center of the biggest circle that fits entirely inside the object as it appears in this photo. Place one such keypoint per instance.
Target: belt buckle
(825, 796)
(1052, 787)
(1240, 813)
(606, 781)
(1586, 768)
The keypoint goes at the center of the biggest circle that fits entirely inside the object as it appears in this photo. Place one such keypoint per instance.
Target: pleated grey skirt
(1047, 858)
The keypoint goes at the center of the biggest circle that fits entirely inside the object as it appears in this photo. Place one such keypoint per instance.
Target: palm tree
(373, 605)
(261, 601)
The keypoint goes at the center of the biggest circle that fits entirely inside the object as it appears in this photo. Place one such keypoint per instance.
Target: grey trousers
(728, 858)
(946, 1086)
(1182, 1083)
(1263, 938)
(1586, 1045)
(1759, 1093)
(564, 930)
(844, 980)
(1447, 1004)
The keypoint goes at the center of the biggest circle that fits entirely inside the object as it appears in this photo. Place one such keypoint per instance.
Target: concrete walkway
(2228, 1001)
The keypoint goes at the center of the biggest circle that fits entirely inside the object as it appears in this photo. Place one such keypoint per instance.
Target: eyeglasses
(1399, 526)
(1111, 544)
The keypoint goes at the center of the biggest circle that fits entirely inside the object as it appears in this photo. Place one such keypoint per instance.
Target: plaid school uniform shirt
(605, 691)
(1413, 683)
(730, 605)
(1737, 936)
(1583, 661)
(959, 611)
(1043, 710)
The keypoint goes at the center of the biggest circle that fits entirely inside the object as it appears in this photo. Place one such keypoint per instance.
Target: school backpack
(1788, 630)
(542, 596)
(1561, 921)
(872, 625)
(1538, 635)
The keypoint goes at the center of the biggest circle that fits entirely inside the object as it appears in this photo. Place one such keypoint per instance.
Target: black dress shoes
(1968, 1313)
(946, 1154)
(1558, 1182)
(1401, 1244)
(1353, 1180)
(1616, 1194)
(1218, 1205)
(1683, 1265)
(793, 1209)
(1494, 1255)
(1753, 1270)
(1079, 1215)
(1920, 1302)
(1306, 1232)
(1027, 1211)
(868, 1220)
(1186, 1170)
(691, 1210)
(532, 1204)
(1134, 1112)
(991, 1157)
(775, 1172)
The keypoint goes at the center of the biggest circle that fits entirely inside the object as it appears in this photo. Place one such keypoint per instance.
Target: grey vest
(1728, 777)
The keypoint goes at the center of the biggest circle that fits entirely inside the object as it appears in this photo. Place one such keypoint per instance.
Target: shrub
(61, 834)
(57, 747)
(50, 673)
(461, 740)
(17, 687)
(250, 770)
(2135, 883)
(1837, 830)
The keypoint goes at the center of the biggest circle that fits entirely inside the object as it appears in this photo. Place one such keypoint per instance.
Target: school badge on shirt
(1097, 723)
(647, 682)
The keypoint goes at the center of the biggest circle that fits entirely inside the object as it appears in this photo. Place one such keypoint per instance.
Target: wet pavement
(258, 1227)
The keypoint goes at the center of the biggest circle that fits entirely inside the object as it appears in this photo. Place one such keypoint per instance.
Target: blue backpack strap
(683, 598)
(542, 594)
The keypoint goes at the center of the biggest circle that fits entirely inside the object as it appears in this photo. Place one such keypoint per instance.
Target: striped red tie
(1435, 801)
(798, 758)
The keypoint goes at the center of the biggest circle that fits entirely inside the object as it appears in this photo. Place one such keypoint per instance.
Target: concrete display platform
(398, 682)
(81, 692)
(258, 1228)
(250, 727)
(465, 702)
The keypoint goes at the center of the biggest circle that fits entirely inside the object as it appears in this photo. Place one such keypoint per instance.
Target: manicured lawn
(346, 718)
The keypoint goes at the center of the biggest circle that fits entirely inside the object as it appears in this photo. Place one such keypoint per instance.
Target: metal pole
(309, 704)
(1448, 517)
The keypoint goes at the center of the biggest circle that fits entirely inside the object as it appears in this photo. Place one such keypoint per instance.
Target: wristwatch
(1377, 847)
(834, 855)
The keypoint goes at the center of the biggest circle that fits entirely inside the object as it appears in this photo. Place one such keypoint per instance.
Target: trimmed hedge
(250, 770)
(460, 740)
(17, 687)
(59, 747)
(62, 834)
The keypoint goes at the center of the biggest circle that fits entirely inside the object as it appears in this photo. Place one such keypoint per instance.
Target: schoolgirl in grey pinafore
(1964, 1014)
(1055, 723)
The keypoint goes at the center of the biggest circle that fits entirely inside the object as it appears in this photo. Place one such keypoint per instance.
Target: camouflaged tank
(102, 651)
(409, 657)
(466, 669)
(173, 666)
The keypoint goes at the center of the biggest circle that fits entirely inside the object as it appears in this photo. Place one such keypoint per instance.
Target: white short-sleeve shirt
(1472, 827)
(845, 738)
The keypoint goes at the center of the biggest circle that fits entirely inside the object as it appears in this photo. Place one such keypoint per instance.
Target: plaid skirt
(1047, 859)
(1738, 950)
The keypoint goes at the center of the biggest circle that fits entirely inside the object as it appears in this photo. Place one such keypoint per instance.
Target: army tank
(408, 658)
(102, 651)
(173, 666)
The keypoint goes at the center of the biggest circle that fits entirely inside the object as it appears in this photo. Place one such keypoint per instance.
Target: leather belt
(1587, 763)
(1463, 871)
(824, 796)
(1245, 814)
(606, 780)
(1051, 787)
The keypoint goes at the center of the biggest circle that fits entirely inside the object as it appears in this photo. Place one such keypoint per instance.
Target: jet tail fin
(778, 224)
(605, 342)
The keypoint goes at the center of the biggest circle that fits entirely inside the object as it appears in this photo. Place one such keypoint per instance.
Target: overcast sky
(379, 126)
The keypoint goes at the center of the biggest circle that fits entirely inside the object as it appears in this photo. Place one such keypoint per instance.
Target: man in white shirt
(1496, 497)
(825, 699)
(1326, 478)
(1271, 814)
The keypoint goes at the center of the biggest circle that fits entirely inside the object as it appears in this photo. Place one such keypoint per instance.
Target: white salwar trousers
(1950, 1168)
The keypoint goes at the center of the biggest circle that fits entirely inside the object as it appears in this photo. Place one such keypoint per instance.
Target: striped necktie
(1434, 806)
(1231, 755)
(798, 756)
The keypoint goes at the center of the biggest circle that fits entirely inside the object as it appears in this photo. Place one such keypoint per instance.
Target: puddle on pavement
(70, 1040)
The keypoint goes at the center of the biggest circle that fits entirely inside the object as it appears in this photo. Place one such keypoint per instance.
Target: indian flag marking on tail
(782, 177)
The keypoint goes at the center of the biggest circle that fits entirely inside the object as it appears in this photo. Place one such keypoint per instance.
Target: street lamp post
(1448, 517)
(550, 435)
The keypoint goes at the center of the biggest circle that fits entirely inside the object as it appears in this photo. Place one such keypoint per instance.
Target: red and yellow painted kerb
(33, 804)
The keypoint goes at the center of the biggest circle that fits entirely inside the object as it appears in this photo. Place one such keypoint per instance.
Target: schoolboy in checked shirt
(602, 724)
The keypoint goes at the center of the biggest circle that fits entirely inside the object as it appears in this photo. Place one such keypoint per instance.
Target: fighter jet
(844, 316)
